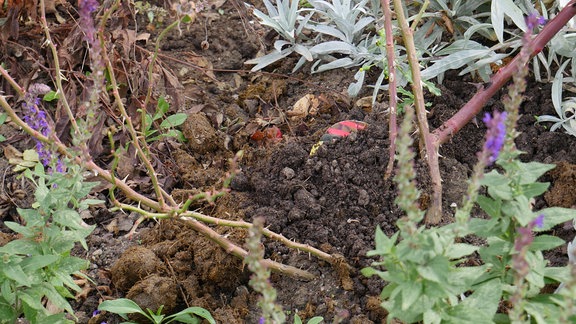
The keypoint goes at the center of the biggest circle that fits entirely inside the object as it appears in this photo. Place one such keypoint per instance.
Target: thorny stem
(58, 72)
(13, 83)
(233, 249)
(434, 214)
(445, 132)
(420, 14)
(130, 126)
(392, 91)
(151, 71)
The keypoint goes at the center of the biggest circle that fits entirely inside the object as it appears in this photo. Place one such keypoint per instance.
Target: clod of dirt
(563, 193)
(152, 292)
(135, 264)
(202, 137)
(5, 238)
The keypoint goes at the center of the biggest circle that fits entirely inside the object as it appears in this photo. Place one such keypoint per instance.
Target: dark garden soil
(332, 200)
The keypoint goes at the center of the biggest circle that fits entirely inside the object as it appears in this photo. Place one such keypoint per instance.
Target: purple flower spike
(495, 135)
(37, 119)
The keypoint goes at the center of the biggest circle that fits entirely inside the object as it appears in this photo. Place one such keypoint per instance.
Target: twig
(434, 214)
(58, 72)
(392, 91)
(233, 249)
(140, 149)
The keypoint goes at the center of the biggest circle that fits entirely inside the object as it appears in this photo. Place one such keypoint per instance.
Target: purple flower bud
(96, 312)
(495, 135)
(534, 20)
(538, 221)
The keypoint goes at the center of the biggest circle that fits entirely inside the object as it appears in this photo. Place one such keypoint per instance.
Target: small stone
(288, 173)
(363, 197)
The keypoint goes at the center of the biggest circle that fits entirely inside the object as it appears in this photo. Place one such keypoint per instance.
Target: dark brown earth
(332, 200)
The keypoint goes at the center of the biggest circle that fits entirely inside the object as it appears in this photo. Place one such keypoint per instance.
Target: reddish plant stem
(450, 127)
(392, 92)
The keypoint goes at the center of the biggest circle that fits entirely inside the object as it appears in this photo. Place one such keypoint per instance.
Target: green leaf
(55, 298)
(15, 272)
(534, 189)
(484, 227)
(384, 245)
(519, 209)
(501, 192)
(121, 306)
(184, 318)
(3, 117)
(493, 178)
(50, 96)
(458, 250)
(554, 216)
(531, 171)
(545, 242)
(36, 262)
(161, 108)
(315, 320)
(436, 270)
(174, 120)
(200, 312)
(410, 293)
(542, 312)
(486, 297)
(491, 206)
(558, 274)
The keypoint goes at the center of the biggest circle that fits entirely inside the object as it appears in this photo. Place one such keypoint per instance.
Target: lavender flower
(87, 7)
(495, 135)
(36, 118)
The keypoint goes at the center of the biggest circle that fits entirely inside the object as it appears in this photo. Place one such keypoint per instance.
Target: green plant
(3, 117)
(428, 279)
(166, 128)
(123, 307)
(36, 269)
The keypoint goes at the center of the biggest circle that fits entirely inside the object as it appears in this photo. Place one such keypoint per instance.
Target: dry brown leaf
(10, 152)
(112, 227)
(307, 105)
